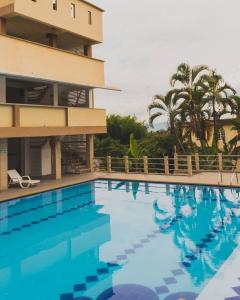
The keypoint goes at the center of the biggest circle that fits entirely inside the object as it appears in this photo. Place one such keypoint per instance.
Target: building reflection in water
(62, 250)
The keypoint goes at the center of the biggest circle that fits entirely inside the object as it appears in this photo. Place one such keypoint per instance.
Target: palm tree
(188, 89)
(219, 96)
(166, 107)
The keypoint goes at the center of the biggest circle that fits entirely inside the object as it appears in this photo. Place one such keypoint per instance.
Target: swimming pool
(116, 240)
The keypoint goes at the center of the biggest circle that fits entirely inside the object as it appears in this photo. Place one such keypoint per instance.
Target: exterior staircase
(74, 155)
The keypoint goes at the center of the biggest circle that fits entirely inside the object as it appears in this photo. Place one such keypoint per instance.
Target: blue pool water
(116, 240)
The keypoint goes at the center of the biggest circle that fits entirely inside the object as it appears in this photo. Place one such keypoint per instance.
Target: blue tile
(170, 280)
(201, 245)
(177, 272)
(80, 287)
(145, 241)
(191, 257)
(121, 257)
(102, 271)
(112, 264)
(130, 251)
(237, 289)
(186, 264)
(66, 297)
(93, 278)
(138, 246)
(162, 290)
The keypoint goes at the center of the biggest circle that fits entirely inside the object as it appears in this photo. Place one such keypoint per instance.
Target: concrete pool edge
(203, 179)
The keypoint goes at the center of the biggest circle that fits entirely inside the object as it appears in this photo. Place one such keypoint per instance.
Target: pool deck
(50, 184)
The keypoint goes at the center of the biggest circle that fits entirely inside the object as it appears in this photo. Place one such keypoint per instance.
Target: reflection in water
(204, 224)
(51, 240)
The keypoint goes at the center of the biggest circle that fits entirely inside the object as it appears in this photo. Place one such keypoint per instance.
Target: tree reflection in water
(205, 224)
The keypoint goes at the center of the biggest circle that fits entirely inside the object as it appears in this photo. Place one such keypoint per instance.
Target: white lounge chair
(24, 182)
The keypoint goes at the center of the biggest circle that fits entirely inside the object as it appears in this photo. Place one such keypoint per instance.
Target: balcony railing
(32, 120)
(28, 59)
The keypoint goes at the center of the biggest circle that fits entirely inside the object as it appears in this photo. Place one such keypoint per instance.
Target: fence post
(145, 164)
(197, 162)
(109, 164)
(220, 162)
(176, 166)
(166, 165)
(189, 165)
(126, 164)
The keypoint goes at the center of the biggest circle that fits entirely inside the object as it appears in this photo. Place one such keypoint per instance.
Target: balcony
(60, 20)
(32, 60)
(35, 121)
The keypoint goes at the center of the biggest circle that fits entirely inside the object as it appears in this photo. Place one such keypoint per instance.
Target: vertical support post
(176, 165)
(25, 156)
(3, 26)
(90, 152)
(197, 162)
(52, 40)
(220, 162)
(166, 166)
(91, 98)
(189, 165)
(55, 94)
(88, 50)
(109, 164)
(3, 164)
(3, 88)
(145, 164)
(126, 164)
(57, 159)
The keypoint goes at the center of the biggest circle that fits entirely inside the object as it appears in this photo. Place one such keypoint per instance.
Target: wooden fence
(177, 165)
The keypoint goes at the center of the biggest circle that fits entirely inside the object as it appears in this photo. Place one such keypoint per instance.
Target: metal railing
(177, 165)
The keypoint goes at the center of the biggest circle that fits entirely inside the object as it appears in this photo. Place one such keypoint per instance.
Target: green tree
(187, 84)
(121, 127)
(167, 107)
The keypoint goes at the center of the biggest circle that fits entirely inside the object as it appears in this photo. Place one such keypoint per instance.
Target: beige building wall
(229, 135)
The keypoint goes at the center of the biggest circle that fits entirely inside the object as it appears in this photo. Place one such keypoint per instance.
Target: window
(54, 2)
(90, 18)
(73, 10)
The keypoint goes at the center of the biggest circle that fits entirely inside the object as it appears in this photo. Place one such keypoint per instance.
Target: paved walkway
(49, 184)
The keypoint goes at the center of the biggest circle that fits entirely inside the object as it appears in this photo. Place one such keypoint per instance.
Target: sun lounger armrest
(26, 177)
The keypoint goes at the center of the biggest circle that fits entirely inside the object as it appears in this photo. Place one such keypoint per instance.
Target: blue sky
(145, 40)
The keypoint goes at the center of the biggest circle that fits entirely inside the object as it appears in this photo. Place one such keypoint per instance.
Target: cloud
(146, 40)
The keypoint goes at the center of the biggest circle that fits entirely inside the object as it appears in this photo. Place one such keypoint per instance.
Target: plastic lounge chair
(23, 181)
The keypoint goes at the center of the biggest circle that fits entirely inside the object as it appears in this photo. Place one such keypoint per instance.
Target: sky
(145, 40)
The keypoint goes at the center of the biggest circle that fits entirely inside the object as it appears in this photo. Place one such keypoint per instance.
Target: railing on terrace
(177, 165)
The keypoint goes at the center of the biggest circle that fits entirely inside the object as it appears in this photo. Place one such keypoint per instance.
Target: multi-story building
(47, 78)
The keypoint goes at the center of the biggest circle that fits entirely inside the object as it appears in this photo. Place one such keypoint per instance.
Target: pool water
(116, 240)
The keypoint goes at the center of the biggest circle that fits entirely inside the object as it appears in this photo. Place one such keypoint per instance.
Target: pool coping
(56, 185)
